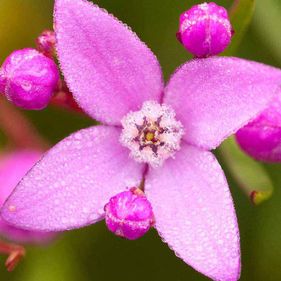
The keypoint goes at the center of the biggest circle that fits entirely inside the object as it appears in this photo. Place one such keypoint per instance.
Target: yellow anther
(149, 136)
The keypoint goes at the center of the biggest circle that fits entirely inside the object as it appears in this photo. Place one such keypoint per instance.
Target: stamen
(152, 134)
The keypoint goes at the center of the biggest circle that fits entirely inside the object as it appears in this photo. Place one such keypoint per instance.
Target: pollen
(149, 136)
(152, 134)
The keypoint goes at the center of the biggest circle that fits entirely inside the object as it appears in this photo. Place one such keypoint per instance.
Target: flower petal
(24, 236)
(69, 187)
(108, 69)
(13, 167)
(194, 213)
(215, 97)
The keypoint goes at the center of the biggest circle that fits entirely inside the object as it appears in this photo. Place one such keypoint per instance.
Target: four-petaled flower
(150, 132)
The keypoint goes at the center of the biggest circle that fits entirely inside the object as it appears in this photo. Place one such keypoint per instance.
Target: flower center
(152, 134)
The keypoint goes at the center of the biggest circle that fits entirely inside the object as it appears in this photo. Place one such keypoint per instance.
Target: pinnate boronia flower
(169, 130)
(261, 138)
(13, 166)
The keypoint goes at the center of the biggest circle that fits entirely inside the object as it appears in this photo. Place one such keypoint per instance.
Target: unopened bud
(257, 197)
(129, 214)
(261, 138)
(46, 42)
(29, 79)
(2, 82)
(205, 29)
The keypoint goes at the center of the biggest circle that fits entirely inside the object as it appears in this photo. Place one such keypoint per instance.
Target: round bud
(28, 79)
(261, 138)
(129, 214)
(46, 43)
(205, 29)
(2, 82)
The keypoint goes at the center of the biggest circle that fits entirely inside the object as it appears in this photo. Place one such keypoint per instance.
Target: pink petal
(13, 167)
(69, 187)
(109, 70)
(215, 97)
(194, 213)
(24, 236)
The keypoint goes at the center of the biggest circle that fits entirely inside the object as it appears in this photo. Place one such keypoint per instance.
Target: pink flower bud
(129, 214)
(2, 82)
(46, 43)
(205, 29)
(261, 138)
(29, 79)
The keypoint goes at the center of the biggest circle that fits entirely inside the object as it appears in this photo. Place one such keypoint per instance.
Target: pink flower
(13, 167)
(160, 134)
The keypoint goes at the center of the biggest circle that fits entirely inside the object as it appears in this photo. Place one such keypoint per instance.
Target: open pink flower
(13, 167)
(160, 134)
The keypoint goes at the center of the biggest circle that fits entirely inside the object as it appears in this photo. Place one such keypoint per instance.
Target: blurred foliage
(240, 13)
(249, 174)
(95, 254)
(267, 22)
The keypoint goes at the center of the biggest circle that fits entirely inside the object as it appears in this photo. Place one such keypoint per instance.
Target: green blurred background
(95, 254)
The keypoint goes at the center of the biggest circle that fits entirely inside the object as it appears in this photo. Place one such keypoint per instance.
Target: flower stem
(18, 129)
(15, 254)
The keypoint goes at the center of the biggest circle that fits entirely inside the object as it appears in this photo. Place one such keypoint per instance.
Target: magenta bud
(129, 214)
(205, 29)
(46, 42)
(28, 79)
(2, 82)
(261, 138)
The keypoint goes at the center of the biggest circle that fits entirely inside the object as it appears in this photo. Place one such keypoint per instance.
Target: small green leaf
(250, 175)
(240, 14)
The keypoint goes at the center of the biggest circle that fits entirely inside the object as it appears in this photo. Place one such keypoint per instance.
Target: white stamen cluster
(152, 134)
